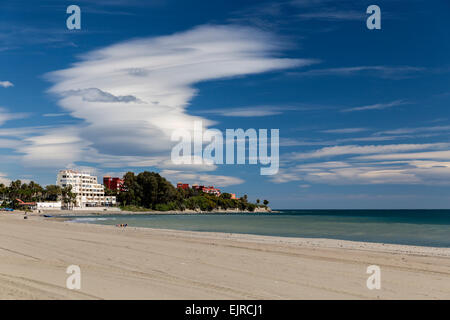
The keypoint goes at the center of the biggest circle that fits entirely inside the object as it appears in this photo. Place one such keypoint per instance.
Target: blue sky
(363, 114)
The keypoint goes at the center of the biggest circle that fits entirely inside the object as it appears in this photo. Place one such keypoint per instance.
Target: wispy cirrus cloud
(403, 131)
(424, 172)
(14, 36)
(426, 164)
(122, 3)
(5, 115)
(429, 155)
(272, 15)
(377, 106)
(386, 72)
(375, 136)
(308, 3)
(349, 173)
(253, 111)
(296, 142)
(334, 15)
(345, 130)
(366, 149)
(54, 115)
(200, 178)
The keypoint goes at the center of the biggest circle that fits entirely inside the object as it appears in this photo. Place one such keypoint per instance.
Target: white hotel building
(89, 192)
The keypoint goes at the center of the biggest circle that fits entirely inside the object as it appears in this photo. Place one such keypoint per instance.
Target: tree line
(146, 190)
(152, 191)
(33, 192)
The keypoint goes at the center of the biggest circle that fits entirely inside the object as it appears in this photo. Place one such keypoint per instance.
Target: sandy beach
(138, 263)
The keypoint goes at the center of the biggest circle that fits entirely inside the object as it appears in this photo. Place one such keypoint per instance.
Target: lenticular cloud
(142, 87)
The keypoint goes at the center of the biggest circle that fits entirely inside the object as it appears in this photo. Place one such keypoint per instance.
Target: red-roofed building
(211, 190)
(113, 183)
(183, 186)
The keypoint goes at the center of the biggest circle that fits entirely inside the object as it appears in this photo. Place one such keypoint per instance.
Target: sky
(362, 114)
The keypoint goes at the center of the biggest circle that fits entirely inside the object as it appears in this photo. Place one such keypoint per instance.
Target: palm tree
(72, 197)
(3, 192)
(68, 197)
(52, 192)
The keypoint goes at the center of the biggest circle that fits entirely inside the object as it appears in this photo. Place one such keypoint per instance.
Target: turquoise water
(412, 227)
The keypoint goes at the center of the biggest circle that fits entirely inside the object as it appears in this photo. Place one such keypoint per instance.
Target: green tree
(225, 195)
(130, 193)
(111, 192)
(52, 192)
(68, 197)
(148, 189)
(3, 193)
(151, 190)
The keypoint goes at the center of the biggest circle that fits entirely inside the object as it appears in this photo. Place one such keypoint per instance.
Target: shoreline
(329, 243)
(94, 212)
(303, 241)
(145, 263)
(371, 245)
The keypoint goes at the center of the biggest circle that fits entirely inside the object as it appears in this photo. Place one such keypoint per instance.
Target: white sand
(138, 263)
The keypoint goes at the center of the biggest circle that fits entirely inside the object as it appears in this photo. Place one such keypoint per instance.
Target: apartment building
(113, 183)
(89, 192)
(210, 189)
(183, 186)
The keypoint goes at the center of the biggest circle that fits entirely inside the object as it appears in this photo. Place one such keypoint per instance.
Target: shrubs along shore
(144, 192)
(149, 190)
(133, 210)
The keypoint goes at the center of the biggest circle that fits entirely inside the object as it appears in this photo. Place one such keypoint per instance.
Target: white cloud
(10, 143)
(345, 130)
(205, 179)
(7, 116)
(415, 130)
(345, 173)
(387, 72)
(293, 142)
(257, 111)
(161, 73)
(4, 179)
(53, 148)
(377, 106)
(21, 132)
(53, 115)
(435, 155)
(384, 164)
(6, 84)
(333, 15)
(377, 136)
(355, 149)
(97, 95)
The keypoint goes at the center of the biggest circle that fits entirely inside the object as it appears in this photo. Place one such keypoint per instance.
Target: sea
(409, 227)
